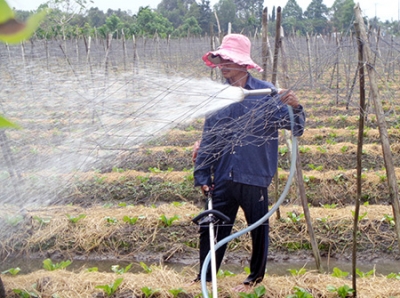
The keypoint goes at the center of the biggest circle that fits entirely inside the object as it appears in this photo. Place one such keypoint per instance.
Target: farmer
(237, 155)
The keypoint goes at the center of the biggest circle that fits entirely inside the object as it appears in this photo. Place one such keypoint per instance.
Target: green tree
(190, 27)
(226, 11)
(249, 14)
(316, 16)
(292, 10)
(292, 17)
(205, 15)
(273, 14)
(96, 17)
(149, 23)
(175, 10)
(342, 14)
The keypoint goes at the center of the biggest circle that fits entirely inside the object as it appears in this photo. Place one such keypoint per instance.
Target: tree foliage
(316, 15)
(343, 14)
(178, 18)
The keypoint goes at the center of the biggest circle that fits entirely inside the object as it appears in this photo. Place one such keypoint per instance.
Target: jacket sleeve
(204, 159)
(281, 118)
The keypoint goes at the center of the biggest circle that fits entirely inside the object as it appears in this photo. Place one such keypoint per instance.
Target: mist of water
(74, 123)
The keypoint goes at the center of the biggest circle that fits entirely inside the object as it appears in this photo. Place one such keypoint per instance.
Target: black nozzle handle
(219, 215)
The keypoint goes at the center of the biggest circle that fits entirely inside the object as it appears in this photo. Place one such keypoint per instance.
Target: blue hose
(261, 220)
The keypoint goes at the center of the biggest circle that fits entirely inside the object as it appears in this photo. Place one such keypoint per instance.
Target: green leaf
(6, 12)
(4, 122)
(12, 271)
(12, 31)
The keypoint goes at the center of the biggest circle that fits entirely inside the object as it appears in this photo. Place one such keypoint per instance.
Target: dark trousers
(227, 198)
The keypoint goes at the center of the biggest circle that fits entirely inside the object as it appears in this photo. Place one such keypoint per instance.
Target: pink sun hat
(234, 47)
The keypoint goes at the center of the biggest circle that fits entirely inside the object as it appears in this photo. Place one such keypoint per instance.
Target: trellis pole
(380, 116)
(299, 172)
(361, 63)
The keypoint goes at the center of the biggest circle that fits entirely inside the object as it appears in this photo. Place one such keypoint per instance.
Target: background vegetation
(182, 18)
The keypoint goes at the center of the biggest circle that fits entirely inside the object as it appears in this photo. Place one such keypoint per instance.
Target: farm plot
(102, 167)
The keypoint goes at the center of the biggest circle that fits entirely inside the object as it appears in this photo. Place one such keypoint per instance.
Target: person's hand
(196, 147)
(205, 189)
(289, 97)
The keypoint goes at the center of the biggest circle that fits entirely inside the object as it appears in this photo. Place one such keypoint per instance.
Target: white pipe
(266, 91)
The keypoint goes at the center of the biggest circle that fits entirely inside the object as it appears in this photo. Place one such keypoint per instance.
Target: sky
(383, 9)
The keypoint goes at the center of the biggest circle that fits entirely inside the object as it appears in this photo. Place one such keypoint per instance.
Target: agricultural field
(102, 171)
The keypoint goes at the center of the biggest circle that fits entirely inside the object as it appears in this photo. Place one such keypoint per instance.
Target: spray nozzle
(265, 91)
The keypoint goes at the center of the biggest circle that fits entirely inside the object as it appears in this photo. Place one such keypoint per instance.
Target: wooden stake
(380, 116)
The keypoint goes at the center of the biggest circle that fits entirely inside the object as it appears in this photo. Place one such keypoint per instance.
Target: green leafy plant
(330, 206)
(389, 219)
(12, 271)
(393, 275)
(295, 272)
(148, 292)
(110, 289)
(75, 219)
(339, 178)
(300, 293)
(146, 268)
(178, 204)
(336, 272)
(130, 220)
(224, 273)
(303, 149)
(14, 220)
(24, 294)
(294, 217)
(257, 293)
(118, 270)
(343, 291)
(111, 220)
(283, 150)
(41, 220)
(50, 266)
(308, 179)
(155, 170)
(365, 274)
(360, 217)
(167, 222)
(176, 292)
(92, 269)
(382, 177)
(117, 170)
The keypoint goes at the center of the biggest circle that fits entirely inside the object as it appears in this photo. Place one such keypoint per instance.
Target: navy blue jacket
(240, 141)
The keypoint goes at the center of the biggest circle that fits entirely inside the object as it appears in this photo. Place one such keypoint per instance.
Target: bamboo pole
(299, 179)
(123, 47)
(380, 116)
(361, 63)
(264, 43)
(274, 81)
(276, 48)
(309, 60)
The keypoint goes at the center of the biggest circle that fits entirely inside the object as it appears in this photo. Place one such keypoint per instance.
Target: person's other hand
(196, 147)
(289, 97)
(205, 189)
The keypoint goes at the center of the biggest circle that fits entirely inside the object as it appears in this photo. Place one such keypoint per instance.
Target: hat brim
(213, 58)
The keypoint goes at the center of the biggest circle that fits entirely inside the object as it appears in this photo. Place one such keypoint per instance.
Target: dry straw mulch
(67, 284)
